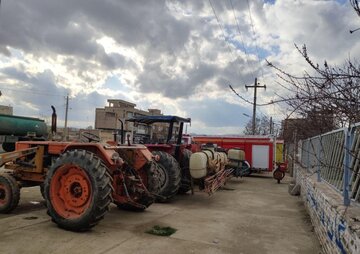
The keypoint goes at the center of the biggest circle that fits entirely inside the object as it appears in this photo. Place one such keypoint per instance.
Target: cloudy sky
(173, 55)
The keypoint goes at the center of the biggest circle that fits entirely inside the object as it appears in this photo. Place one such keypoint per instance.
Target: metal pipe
(53, 120)
(170, 132)
(122, 141)
(178, 143)
(346, 187)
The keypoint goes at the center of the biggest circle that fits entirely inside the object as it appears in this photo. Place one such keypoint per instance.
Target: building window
(109, 115)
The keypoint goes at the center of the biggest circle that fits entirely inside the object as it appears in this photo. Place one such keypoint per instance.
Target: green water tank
(22, 126)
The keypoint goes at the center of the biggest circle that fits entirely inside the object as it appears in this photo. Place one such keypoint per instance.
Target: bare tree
(326, 96)
(355, 5)
(262, 127)
(327, 91)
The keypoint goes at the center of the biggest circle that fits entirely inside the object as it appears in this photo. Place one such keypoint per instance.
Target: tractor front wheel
(169, 176)
(78, 190)
(9, 193)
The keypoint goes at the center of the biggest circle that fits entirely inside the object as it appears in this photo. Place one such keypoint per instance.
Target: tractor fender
(107, 156)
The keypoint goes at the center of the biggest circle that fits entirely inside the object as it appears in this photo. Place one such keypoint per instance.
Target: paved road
(252, 215)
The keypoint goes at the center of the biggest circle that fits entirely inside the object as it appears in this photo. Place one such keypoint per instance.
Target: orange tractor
(79, 180)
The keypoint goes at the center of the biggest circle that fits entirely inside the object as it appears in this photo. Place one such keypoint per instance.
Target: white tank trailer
(237, 161)
(212, 168)
(207, 162)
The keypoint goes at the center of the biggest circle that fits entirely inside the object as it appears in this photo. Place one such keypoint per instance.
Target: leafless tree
(262, 127)
(355, 5)
(325, 91)
(326, 96)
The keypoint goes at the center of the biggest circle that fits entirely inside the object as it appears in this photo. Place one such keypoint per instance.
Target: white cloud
(162, 54)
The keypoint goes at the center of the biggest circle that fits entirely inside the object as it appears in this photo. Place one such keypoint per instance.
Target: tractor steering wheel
(91, 137)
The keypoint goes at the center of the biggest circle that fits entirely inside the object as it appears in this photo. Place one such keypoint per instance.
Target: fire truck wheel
(169, 176)
(185, 185)
(78, 190)
(9, 193)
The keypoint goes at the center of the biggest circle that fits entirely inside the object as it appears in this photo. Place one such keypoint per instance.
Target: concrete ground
(251, 215)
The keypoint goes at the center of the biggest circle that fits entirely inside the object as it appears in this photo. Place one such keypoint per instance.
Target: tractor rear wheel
(169, 176)
(78, 190)
(9, 193)
(185, 185)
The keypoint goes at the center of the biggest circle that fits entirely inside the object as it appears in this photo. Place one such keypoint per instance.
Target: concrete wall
(337, 227)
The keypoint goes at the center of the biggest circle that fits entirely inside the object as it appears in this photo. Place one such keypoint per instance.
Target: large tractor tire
(185, 185)
(9, 193)
(169, 174)
(78, 190)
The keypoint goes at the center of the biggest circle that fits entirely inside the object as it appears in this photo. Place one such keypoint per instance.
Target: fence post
(308, 156)
(319, 151)
(347, 161)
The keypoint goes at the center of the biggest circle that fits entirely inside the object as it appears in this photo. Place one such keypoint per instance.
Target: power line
(221, 28)
(246, 100)
(239, 30)
(241, 37)
(254, 39)
(32, 91)
(246, 53)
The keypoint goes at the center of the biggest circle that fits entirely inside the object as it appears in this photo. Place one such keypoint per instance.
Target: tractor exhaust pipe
(122, 138)
(53, 121)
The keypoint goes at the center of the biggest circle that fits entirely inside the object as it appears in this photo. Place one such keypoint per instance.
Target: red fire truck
(261, 152)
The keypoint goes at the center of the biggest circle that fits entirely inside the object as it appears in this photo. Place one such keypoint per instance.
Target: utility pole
(271, 126)
(255, 86)
(66, 118)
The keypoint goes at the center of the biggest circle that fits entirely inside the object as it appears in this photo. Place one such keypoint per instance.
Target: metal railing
(335, 158)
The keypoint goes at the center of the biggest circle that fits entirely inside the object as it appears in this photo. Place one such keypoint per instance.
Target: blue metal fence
(335, 158)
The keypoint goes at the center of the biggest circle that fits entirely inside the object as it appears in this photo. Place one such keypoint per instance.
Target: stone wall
(337, 226)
